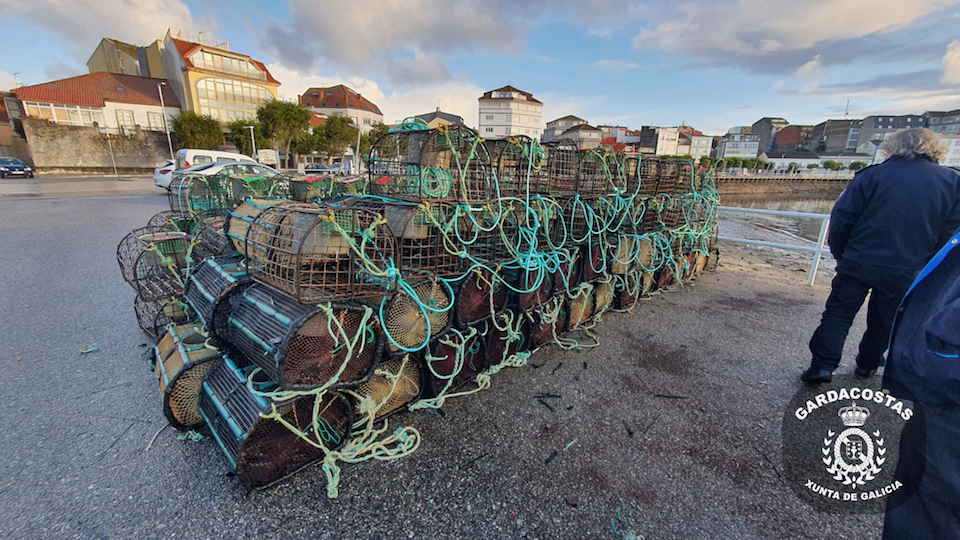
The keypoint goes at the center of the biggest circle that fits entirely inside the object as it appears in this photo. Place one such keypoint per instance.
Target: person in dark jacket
(923, 366)
(883, 229)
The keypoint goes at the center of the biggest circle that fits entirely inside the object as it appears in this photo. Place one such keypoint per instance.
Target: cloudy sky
(709, 64)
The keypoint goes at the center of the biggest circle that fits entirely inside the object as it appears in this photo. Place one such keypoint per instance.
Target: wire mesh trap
(154, 316)
(480, 295)
(648, 176)
(444, 164)
(519, 160)
(158, 268)
(267, 440)
(535, 285)
(210, 285)
(596, 173)
(505, 335)
(304, 347)
(182, 360)
(414, 317)
(558, 176)
(131, 247)
(213, 237)
(193, 196)
(595, 264)
(603, 293)
(453, 360)
(580, 306)
(394, 385)
(628, 289)
(318, 253)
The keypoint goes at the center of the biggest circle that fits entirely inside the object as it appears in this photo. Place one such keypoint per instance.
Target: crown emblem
(853, 415)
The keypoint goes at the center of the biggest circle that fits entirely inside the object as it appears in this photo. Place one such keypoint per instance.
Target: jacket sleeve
(846, 212)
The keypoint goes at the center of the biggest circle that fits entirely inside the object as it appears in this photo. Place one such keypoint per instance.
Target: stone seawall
(76, 149)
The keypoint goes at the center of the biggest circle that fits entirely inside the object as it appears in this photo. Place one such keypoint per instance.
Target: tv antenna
(846, 111)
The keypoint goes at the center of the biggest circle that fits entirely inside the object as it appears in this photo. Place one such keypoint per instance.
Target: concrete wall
(75, 149)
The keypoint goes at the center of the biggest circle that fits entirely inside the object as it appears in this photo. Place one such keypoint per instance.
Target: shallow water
(783, 229)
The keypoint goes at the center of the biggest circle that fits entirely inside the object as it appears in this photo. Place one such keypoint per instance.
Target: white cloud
(809, 69)
(355, 34)
(82, 23)
(422, 69)
(762, 28)
(616, 65)
(600, 32)
(951, 64)
(7, 82)
(779, 84)
(454, 97)
(810, 75)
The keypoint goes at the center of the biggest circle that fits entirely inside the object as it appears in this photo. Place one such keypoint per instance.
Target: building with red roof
(109, 100)
(209, 78)
(342, 100)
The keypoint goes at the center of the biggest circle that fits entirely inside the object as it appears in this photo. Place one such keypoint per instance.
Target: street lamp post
(253, 141)
(356, 151)
(163, 112)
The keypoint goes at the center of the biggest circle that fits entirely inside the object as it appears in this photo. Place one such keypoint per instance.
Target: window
(228, 100)
(224, 159)
(489, 130)
(316, 94)
(73, 115)
(336, 104)
(124, 119)
(508, 118)
(489, 117)
(366, 121)
(352, 106)
(507, 131)
(198, 159)
(329, 93)
(155, 121)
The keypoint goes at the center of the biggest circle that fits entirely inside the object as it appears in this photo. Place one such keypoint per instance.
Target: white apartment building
(696, 146)
(556, 128)
(508, 111)
(952, 142)
(341, 100)
(738, 146)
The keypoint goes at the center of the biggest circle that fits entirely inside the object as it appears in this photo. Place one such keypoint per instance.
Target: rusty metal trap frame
(131, 247)
(303, 347)
(519, 162)
(152, 260)
(547, 322)
(558, 176)
(181, 361)
(155, 315)
(320, 253)
(394, 385)
(267, 440)
(173, 220)
(211, 284)
(253, 186)
(505, 335)
(603, 295)
(598, 172)
(648, 176)
(449, 163)
(426, 235)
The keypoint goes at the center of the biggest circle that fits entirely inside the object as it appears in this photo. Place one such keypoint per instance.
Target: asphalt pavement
(674, 418)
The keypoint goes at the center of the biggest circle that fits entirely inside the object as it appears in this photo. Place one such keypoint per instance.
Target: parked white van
(188, 157)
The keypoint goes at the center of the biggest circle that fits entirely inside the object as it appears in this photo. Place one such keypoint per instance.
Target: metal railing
(817, 251)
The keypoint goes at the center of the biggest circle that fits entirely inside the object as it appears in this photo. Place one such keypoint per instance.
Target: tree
(813, 166)
(706, 162)
(733, 162)
(284, 122)
(857, 165)
(239, 135)
(832, 165)
(793, 167)
(379, 129)
(335, 136)
(198, 131)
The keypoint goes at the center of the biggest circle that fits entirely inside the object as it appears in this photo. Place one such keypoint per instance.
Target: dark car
(14, 167)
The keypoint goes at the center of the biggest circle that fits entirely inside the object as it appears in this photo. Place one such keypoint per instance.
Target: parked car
(14, 167)
(162, 174)
(188, 158)
(228, 168)
(321, 169)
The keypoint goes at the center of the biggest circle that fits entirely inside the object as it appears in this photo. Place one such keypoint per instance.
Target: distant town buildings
(767, 128)
(835, 136)
(792, 138)
(439, 118)
(952, 142)
(694, 144)
(341, 100)
(555, 128)
(663, 140)
(738, 145)
(586, 136)
(508, 111)
(943, 123)
(876, 128)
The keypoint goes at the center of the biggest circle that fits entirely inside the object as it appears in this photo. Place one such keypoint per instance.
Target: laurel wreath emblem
(849, 473)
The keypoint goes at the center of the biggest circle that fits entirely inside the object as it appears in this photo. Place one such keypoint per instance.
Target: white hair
(912, 142)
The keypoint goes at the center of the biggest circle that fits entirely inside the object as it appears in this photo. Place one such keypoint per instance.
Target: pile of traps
(292, 321)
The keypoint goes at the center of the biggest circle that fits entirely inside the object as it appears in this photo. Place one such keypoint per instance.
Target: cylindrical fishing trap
(580, 306)
(267, 440)
(303, 347)
(412, 320)
(238, 220)
(213, 237)
(131, 247)
(505, 335)
(536, 284)
(154, 316)
(182, 360)
(321, 253)
(197, 196)
(596, 173)
(479, 295)
(394, 385)
(519, 161)
(453, 360)
(548, 322)
(603, 294)
(559, 173)
(211, 284)
(648, 175)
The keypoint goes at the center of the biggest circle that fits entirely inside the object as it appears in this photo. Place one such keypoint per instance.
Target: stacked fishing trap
(293, 316)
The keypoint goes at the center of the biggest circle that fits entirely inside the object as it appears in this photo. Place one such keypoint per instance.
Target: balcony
(220, 68)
